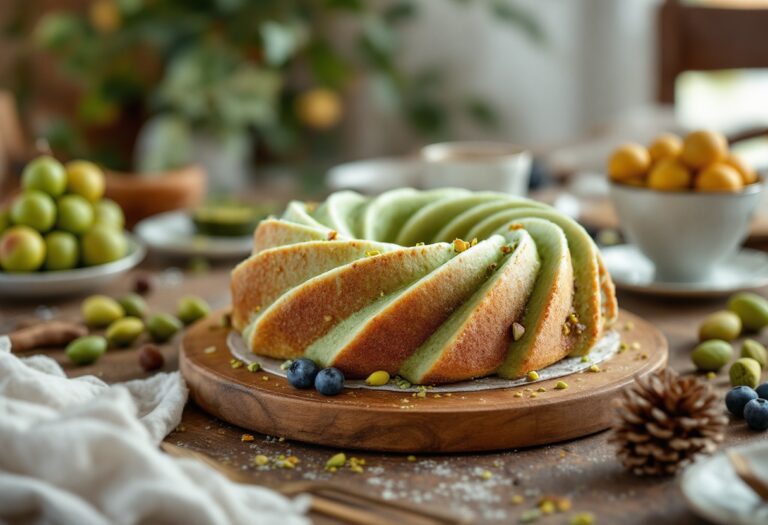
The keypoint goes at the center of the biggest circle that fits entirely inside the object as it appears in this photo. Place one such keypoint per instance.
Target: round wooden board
(400, 422)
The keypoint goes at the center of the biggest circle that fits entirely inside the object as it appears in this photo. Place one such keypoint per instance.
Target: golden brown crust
(262, 278)
(392, 335)
(481, 344)
(305, 314)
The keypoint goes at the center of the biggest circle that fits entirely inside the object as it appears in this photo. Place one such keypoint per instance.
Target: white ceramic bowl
(685, 234)
(40, 285)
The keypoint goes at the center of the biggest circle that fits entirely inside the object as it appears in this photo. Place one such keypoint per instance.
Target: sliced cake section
(277, 232)
(543, 341)
(277, 270)
(585, 326)
(306, 313)
(383, 335)
(386, 214)
(425, 223)
(474, 341)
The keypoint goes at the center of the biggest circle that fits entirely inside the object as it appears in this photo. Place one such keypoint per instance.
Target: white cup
(489, 166)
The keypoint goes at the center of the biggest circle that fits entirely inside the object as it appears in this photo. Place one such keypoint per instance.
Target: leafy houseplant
(232, 71)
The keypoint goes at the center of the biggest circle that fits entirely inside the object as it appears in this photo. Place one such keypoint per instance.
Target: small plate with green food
(216, 231)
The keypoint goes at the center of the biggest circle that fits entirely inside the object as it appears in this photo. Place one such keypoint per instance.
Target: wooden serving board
(400, 422)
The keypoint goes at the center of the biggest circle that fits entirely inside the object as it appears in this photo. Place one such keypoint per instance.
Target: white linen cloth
(83, 452)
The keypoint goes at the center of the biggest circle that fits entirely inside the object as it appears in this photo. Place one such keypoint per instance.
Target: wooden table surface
(585, 470)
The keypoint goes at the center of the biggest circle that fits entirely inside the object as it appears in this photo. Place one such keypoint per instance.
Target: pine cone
(664, 421)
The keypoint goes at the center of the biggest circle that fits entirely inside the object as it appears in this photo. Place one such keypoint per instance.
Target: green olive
(723, 325)
(34, 209)
(192, 308)
(712, 355)
(100, 310)
(134, 305)
(103, 244)
(753, 349)
(44, 174)
(61, 251)
(22, 249)
(124, 331)
(745, 372)
(162, 327)
(75, 214)
(751, 308)
(86, 350)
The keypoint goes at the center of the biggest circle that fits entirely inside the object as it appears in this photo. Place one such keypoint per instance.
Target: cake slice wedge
(383, 335)
(342, 212)
(473, 342)
(543, 341)
(385, 216)
(272, 233)
(306, 313)
(425, 223)
(586, 325)
(289, 266)
(459, 226)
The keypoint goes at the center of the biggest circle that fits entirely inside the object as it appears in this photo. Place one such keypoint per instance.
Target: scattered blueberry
(756, 414)
(737, 398)
(329, 381)
(302, 372)
(762, 391)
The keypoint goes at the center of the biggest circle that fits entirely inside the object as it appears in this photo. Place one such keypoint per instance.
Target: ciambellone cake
(436, 286)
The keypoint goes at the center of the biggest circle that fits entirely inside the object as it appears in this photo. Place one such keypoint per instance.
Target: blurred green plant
(272, 69)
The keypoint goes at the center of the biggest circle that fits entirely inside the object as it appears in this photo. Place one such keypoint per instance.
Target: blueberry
(737, 398)
(302, 372)
(762, 391)
(329, 381)
(756, 414)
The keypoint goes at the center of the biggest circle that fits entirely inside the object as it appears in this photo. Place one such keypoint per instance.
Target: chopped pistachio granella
(473, 242)
(460, 245)
(711, 375)
(285, 365)
(332, 235)
(541, 389)
(411, 458)
(561, 385)
(265, 378)
(372, 253)
(402, 383)
(260, 460)
(209, 350)
(420, 244)
(529, 516)
(533, 375)
(336, 461)
(246, 438)
(253, 366)
(507, 248)
(515, 226)
(226, 320)
(486, 474)
(492, 268)
(585, 359)
(629, 325)
(547, 506)
(594, 368)
(518, 331)
(236, 363)
(566, 329)
(534, 394)
(518, 394)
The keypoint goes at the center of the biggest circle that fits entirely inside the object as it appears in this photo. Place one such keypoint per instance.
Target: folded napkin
(81, 451)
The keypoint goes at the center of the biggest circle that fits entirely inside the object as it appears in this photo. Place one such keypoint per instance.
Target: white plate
(631, 270)
(714, 491)
(173, 233)
(69, 282)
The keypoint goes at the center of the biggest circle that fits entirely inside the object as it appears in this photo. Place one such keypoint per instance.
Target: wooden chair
(699, 38)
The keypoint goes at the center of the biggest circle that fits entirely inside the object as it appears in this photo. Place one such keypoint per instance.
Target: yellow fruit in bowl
(665, 145)
(747, 172)
(85, 179)
(669, 174)
(702, 148)
(719, 177)
(629, 161)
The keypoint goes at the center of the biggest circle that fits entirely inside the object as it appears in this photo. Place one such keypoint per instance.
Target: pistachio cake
(437, 286)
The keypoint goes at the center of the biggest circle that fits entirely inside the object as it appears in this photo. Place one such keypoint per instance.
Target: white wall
(598, 60)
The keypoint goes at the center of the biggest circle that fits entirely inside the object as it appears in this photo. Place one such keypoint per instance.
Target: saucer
(173, 233)
(631, 270)
(714, 491)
